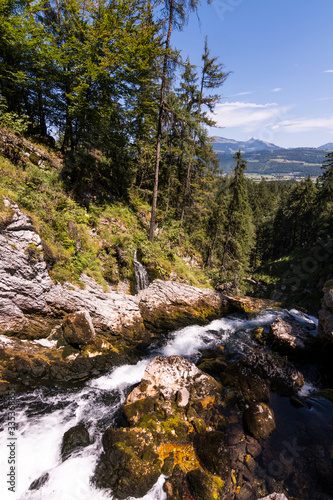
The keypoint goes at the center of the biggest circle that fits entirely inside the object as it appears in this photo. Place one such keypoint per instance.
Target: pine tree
(176, 15)
(238, 231)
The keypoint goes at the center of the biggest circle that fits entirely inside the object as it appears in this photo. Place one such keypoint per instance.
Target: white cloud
(305, 124)
(324, 99)
(242, 93)
(249, 116)
(278, 89)
(328, 71)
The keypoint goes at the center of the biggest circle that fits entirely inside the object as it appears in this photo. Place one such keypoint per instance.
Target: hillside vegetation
(122, 160)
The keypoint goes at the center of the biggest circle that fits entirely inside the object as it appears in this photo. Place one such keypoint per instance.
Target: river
(45, 414)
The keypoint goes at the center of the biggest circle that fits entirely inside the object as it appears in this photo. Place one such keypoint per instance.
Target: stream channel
(45, 414)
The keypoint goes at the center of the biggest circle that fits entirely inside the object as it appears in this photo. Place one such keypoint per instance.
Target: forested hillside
(125, 116)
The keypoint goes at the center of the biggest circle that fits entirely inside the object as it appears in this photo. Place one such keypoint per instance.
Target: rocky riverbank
(208, 427)
(118, 326)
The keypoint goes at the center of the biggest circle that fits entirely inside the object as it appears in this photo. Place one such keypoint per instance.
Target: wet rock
(253, 448)
(326, 394)
(213, 453)
(129, 466)
(173, 402)
(259, 420)
(38, 483)
(283, 376)
(167, 305)
(291, 337)
(78, 329)
(75, 438)
(177, 487)
(325, 326)
(176, 381)
(205, 486)
(249, 305)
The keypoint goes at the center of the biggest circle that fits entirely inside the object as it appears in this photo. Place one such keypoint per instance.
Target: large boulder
(174, 379)
(75, 438)
(284, 378)
(78, 329)
(291, 337)
(167, 305)
(174, 402)
(259, 420)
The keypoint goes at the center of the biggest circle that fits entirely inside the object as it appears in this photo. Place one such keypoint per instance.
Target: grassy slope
(99, 240)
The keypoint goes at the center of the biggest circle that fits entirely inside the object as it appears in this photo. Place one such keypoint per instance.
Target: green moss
(205, 486)
(175, 428)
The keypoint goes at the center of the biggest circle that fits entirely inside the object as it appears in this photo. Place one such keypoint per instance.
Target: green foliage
(11, 120)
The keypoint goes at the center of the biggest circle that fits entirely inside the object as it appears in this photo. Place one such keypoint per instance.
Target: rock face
(169, 305)
(325, 326)
(31, 304)
(291, 337)
(78, 329)
(24, 280)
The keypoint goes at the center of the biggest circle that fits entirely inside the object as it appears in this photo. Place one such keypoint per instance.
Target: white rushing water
(141, 275)
(44, 415)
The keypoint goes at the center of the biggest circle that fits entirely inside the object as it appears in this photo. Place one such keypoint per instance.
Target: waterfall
(141, 275)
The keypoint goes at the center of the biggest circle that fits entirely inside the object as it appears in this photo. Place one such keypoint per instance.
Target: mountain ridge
(228, 146)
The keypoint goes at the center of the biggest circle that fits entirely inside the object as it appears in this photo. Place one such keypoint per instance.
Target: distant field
(283, 163)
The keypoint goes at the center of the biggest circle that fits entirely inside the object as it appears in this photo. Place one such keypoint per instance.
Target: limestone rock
(162, 413)
(259, 420)
(290, 337)
(78, 329)
(249, 305)
(31, 304)
(175, 379)
(167, 305)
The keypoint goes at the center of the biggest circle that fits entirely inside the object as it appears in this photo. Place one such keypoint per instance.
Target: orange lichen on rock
(208, 401)
(183, 455)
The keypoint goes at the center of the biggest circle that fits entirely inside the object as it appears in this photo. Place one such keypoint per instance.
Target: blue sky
(280, 53)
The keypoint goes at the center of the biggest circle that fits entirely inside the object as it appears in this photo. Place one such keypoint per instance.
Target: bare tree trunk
(159, 125)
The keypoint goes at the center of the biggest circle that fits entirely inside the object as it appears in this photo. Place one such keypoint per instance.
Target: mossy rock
(205, 486)
(75, 438)
(213, 452)
(129, 466)
(259, 420)
(139, 410)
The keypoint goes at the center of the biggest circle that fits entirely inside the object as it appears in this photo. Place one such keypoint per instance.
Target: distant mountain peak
(229, 146)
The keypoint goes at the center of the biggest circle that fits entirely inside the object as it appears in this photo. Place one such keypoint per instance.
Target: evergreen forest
(101, 86)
